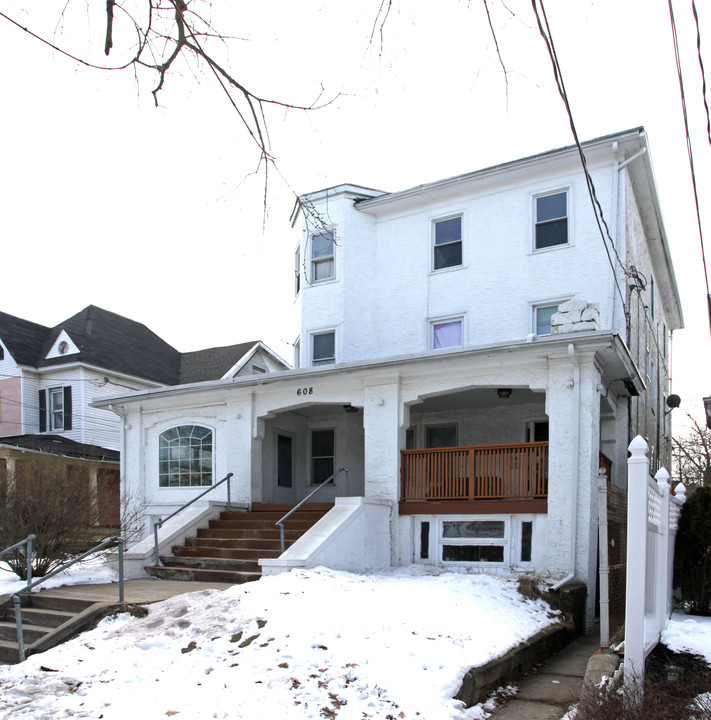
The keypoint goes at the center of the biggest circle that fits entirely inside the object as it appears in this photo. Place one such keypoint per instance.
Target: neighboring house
(50, 376)
(472, 351)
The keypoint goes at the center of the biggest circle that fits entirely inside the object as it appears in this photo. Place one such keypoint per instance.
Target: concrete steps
(46, 621)
(228, 549)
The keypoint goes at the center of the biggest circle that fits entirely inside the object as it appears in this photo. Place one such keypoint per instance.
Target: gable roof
(59, 445)
(212, 363)
(22, 338)
(114, 342)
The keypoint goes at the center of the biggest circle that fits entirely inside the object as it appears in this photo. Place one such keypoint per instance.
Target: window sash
(185, 457)
(448, 243)
(544, 314)
(447, 334)
(324, 348)
(56, 409)
(551, 220)
(323, 266)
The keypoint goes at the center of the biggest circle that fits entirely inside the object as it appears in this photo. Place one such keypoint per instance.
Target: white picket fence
(652, 521)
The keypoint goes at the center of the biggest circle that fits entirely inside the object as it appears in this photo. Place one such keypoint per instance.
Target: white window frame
(460, 242)
(322, 361)
(548, 193)
(55, 410)
(505, 542)
(312, 430)
(167, 463)
(446, 321)
(540, 305)
(314, 262)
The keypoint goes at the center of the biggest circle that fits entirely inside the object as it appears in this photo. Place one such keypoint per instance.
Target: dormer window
(323, 260)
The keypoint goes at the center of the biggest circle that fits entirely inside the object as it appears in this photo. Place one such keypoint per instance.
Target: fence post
(604, 559)
(637, 481)
(665, 557)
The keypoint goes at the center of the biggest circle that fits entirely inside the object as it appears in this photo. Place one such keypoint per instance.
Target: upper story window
(447, 243)
(323, 348)
(542, 315)
(55, 409)
(297, 272)
(185, 456)
(447, 333)
(551, 220)
(323, 265)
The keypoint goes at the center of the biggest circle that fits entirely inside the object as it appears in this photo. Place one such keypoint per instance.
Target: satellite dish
(673, 401)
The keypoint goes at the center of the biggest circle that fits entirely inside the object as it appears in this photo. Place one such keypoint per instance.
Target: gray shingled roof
(58, 445)
(113, 342)
(212, 363)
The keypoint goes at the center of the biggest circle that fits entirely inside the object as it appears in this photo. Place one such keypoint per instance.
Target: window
(257, 370)
(185, 457)
(447, 243)
(542, 319)
(284, 461)
(323, 455)
(55, 409)
(324, 348)
(551, 220)
(526, 540)
(480, 541)
(323, 266)
(297, 272)
(447, 333)
(441, 436)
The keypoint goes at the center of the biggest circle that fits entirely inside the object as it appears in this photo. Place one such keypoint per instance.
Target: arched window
(185, 457)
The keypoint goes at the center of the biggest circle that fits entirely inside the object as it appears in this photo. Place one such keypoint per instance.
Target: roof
(22, 338)
(212, 363)
(115, 343)
(57, 445)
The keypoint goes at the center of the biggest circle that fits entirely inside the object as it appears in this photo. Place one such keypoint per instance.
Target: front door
(284, 490)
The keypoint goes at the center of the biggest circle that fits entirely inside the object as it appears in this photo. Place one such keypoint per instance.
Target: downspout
(575, 446)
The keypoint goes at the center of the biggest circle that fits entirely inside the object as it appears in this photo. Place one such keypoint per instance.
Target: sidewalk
(144, 590)
(548, 693)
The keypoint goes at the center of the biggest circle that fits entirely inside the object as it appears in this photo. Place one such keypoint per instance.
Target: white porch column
(241, 454)
(382, 424)
(573, 408)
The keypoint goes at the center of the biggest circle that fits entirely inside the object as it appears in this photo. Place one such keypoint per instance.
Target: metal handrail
(280, 523)
(159, 523)
(109, 542)
(28, 553)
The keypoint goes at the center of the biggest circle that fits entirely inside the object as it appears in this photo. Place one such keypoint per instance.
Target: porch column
(241, 451)
(382, 427)
(573, 408)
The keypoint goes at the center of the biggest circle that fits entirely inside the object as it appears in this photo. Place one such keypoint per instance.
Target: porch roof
(609, 347)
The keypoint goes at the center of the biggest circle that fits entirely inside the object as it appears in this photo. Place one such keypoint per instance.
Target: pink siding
(11, 407)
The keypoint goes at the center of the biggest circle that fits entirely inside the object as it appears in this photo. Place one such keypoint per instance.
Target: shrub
(692, 556)
(53, 502)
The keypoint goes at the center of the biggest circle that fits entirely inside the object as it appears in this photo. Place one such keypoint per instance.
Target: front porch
(510, 478)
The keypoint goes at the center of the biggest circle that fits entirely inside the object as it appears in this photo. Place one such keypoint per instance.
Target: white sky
(153, 213)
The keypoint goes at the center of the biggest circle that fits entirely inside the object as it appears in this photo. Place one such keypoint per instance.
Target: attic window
(256, 370)
(63, 347)
(2, 353)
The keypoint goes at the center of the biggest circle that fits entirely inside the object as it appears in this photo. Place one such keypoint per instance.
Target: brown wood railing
(482, 472)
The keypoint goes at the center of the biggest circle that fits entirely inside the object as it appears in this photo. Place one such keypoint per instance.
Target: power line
(597, 208)
(688, 146)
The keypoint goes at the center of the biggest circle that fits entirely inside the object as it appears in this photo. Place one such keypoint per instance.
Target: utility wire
(690, 152)
(597, 208)
(701, 66)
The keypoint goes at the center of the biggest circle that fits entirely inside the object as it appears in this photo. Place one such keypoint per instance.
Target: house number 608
(305, 391)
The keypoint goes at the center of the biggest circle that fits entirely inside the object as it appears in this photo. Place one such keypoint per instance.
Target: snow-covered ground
(688, 633)
(306, 644)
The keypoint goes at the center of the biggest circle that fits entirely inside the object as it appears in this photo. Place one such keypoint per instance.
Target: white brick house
(471, 350)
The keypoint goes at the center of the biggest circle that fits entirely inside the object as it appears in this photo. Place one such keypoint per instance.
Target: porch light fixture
(350, 409)
(504, 393)
(673, 402)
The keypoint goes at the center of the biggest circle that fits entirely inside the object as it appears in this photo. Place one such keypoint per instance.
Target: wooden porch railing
(483, 472)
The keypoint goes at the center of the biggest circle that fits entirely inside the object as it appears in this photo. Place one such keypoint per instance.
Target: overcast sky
(155, 213)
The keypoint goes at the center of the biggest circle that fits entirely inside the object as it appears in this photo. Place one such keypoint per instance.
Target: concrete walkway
(547, 693)
(144, 590)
